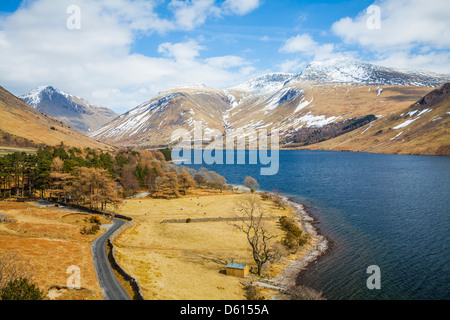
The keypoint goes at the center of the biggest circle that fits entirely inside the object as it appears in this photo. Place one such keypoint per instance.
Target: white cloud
(413, 34)
(437, 62)
(299, 43)
(96, 62)
(181, 51)
(227, 62)
(308, 47)
(241, 7)
(404, 24)
(190, 14)
(292, 66)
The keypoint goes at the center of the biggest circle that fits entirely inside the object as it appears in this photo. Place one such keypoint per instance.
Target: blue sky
(123, 52)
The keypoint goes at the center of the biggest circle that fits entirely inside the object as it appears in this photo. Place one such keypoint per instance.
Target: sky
(120, 53)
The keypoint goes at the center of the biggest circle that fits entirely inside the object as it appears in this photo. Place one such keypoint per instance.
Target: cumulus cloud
(299, 43)
(241, 7)
(308, 48)
(96, 61)
(437, 62)
(406, 28)
(403, 24)
(192, 13)
(292, 65)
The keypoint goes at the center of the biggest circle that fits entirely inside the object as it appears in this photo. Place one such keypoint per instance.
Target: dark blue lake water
(392, 211)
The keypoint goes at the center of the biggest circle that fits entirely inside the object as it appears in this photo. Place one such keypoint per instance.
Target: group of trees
(97, 178)
(83, 177)
(310, 135)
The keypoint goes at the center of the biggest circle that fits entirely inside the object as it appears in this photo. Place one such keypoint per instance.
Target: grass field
(188, 260)
(49, 239)
(7, 150)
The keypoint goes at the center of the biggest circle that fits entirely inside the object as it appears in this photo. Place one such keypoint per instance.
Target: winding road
(111, 288)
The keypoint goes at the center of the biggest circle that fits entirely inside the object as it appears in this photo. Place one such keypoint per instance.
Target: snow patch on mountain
(280, 97)
(265, 84)
(303, 104)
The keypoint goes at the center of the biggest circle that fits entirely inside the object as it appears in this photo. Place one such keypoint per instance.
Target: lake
(392, 211)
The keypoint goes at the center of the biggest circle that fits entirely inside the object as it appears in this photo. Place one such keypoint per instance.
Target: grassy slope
(428, 134)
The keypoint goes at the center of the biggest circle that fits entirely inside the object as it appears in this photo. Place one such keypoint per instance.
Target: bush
(94, 219)
(252, 293)
(294, 235)
(90, 230)
(21, 289)
(265, 196)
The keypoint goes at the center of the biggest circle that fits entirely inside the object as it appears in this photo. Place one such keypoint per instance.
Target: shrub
(21, 289)
(252, 293)
(94, 219)
(90, 230)
(294, 235)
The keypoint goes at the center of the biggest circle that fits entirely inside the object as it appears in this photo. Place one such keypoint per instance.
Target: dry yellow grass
(50, 240)
(187, 260)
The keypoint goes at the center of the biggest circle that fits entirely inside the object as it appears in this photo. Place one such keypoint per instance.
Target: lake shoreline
(320, 243)
(320, 246)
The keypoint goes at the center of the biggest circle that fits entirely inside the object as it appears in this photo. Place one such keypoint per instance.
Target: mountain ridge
(324, 93)
(20, 124)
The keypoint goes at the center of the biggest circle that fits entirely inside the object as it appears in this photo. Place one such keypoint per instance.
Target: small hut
(237, 269)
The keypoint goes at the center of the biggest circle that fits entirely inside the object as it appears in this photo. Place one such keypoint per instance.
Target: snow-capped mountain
(73, 111)
(154, 121)
(24, 126)
(324, 93)
(345, 70)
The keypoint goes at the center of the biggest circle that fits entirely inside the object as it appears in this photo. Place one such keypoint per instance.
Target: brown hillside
(19, 120)
(421, 128)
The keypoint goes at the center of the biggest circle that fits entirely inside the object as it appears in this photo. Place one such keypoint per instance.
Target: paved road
(111, 288)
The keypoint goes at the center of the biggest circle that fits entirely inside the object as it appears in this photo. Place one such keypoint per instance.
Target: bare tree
(12, 267)
(254, 227)
(251, 183)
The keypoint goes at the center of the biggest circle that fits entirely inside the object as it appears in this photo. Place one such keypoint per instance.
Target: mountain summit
(346, 70)
(73, 111)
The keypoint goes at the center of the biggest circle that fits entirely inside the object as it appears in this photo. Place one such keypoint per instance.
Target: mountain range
(325, 93)
(340, 104)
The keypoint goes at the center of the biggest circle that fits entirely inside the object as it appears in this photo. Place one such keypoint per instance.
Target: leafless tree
(13, 267)
(251, 183)
(253, 225)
